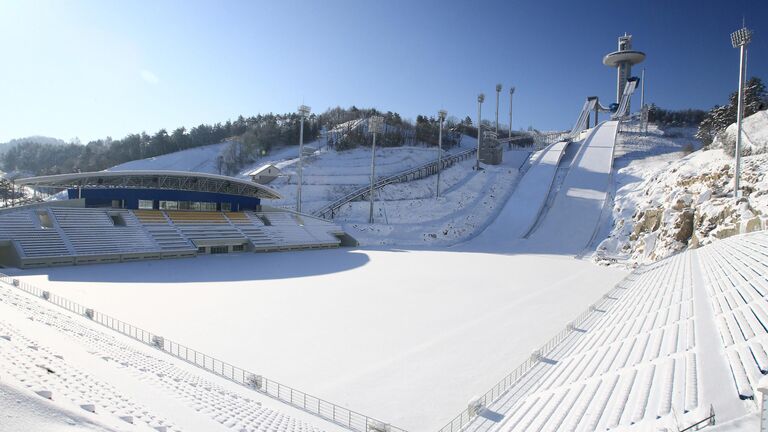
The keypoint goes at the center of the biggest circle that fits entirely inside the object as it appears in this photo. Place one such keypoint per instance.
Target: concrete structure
(622, 60)
(490, 150)
(265, 174)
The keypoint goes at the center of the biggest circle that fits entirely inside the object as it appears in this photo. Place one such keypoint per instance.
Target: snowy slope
(522, 209)
(570, 223)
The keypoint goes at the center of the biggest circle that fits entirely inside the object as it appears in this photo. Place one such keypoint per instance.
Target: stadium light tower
(480, 100)
(375, 125)
(740, 38)
(498, 92)
(511, 94)
(303, 112)
(441, 118)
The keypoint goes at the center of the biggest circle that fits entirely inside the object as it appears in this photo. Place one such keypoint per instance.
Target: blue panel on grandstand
(129, 197)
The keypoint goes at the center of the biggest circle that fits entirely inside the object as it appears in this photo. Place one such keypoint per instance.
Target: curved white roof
(177, 180)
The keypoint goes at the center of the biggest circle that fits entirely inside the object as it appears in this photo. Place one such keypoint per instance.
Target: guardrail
(708, 421)
(326, 410)
(428, 169)
(473, 410)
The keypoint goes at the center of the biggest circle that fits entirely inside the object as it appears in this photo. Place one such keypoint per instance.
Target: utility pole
(511, 94)
(303, 112)
(480, 100)
(498, 92)
(375, 124)
(440, 117)
(740, 38)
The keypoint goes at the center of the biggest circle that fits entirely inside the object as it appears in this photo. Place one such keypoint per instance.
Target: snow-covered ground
(409, 214)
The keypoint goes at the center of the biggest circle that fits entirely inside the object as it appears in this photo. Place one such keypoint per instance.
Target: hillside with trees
(719, 118)
(248, 138)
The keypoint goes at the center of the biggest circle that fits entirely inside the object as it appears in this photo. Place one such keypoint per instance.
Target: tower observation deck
(622, 60)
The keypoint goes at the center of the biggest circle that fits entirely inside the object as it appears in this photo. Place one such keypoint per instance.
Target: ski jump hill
(528, 223)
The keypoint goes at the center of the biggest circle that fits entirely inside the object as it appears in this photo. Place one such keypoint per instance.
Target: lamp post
(480, 99)
(740, 38)
(498, 92)
(303, 112)
(511, 93)
(440, 117)
(375, 125)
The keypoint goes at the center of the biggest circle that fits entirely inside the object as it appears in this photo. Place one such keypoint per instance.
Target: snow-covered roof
(177, 180)
(263, 169)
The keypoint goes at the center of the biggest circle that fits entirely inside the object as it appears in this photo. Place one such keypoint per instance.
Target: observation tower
(622, 60)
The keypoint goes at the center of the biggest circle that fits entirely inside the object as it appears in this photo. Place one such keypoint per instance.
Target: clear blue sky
(107, 68)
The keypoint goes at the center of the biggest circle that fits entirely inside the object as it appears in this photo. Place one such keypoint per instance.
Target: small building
(265, 174)
(491, 152)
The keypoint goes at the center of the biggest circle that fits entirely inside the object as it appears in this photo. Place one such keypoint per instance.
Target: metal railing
(326, 410)
(707, 421)
(502, 387)
(419, 172)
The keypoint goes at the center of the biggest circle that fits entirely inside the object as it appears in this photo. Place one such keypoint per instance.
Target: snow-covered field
(406, 336)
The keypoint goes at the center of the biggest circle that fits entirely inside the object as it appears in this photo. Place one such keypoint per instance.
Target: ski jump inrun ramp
(569, 225)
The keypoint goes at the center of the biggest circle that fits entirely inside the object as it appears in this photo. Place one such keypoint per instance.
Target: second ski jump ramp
(524, 205)
(571, 222)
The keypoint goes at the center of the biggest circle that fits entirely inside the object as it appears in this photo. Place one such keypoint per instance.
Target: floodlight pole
(511, 94)
(374, 124)
(642, 89)
(303, 111)
(480, 99)
(740, 39)
(440, 117)
(498, 92)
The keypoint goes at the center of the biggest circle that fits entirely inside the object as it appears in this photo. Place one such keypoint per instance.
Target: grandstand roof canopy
(175, 180)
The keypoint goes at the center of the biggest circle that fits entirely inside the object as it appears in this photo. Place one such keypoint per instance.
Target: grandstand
(137, 215)
(672, 346)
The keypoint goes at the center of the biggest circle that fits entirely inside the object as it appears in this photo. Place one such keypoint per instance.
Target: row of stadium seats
(736, 277)
(32, 364)
(636, 359)
(632, 361)
(34, 240)
(96, 233)
(81, 235)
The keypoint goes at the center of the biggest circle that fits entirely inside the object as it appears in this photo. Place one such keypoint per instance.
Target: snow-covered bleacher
(293, 231)
(103, 233)
(633, 360)
(643, 339)
(736, 279)
(61, 235)
(60, 357)
(33, 240)
(167, 236)
(201, 226)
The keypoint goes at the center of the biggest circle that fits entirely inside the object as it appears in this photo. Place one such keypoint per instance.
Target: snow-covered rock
(754, 135)
(686, 203)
